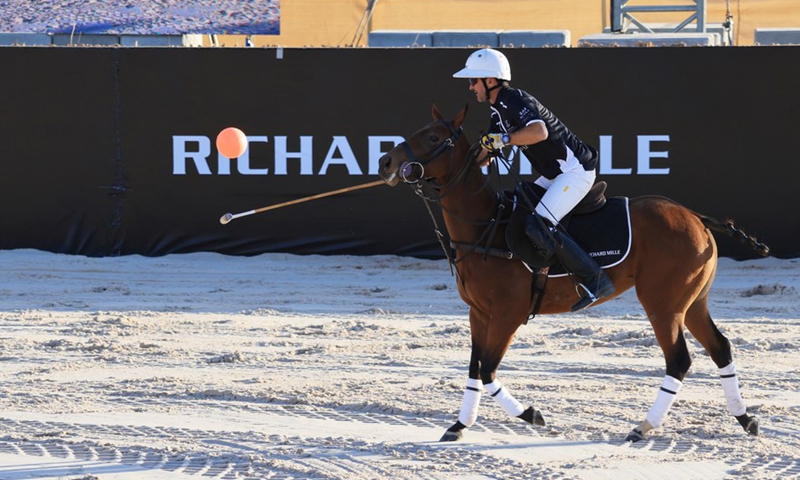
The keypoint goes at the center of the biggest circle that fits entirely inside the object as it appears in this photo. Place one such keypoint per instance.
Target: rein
(407, 168)
(492, 224)
(483, 244)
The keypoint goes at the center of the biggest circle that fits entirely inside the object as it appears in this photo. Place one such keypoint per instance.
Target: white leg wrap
(666, 396)
(502, 396)
(730, 385)
(469, 406)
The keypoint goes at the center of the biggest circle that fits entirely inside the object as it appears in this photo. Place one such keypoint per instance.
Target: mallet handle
(319, 195)
(228, 217)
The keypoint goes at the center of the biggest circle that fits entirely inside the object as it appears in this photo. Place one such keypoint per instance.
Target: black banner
(111, 151)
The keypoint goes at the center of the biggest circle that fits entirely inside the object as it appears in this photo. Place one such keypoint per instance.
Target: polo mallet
(226, 219)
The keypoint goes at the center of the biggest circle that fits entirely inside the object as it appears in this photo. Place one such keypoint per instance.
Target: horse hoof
(538, 419)
(635, 436)
(532, 416)
(452, 436)
(750, 424)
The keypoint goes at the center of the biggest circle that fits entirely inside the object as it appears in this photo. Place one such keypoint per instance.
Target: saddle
(600, 225)
(593, 201)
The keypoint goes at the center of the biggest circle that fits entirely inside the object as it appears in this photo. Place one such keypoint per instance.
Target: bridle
(407, 167)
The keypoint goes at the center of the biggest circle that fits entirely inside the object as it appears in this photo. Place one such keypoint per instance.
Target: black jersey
(515, 108)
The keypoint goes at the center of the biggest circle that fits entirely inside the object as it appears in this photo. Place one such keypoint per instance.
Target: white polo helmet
(486, 63)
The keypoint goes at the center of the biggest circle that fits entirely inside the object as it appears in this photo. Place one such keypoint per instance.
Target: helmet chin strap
(487, 89)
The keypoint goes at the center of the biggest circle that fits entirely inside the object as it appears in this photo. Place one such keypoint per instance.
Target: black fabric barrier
(111, 151)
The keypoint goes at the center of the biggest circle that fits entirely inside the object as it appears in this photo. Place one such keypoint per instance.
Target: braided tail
(727, 227)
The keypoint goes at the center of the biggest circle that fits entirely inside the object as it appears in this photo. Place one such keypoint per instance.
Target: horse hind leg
(702, 327)
(678, 361)
(666, 292)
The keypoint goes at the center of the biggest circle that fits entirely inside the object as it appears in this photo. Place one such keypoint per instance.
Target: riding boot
(595, 283)
(540, 231)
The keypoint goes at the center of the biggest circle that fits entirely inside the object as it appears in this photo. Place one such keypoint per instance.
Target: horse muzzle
(387, 172)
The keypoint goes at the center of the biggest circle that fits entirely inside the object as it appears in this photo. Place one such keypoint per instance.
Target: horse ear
(461, 116)
(437, 115)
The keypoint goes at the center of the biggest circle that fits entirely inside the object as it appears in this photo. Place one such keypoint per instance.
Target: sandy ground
(311, 367)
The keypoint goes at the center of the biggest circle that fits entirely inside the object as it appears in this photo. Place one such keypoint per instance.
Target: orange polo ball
(231, 142)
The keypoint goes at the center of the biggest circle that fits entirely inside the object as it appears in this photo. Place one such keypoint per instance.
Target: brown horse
(672, 262)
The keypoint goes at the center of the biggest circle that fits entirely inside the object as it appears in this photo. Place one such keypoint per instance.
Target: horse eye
(434, 138)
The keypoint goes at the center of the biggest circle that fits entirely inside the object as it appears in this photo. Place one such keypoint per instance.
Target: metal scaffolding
(622, 12)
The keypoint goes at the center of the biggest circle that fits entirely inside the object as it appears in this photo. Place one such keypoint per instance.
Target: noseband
(407, 167)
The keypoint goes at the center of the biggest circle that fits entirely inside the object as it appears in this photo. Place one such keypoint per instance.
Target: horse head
(421, 154)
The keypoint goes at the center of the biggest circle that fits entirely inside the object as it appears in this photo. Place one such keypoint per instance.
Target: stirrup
(588, 298)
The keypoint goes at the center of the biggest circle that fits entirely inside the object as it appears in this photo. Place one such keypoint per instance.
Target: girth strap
(486, 251)
(538, 282)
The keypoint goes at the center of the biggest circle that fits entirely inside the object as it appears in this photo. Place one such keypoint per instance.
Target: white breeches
(566, 190)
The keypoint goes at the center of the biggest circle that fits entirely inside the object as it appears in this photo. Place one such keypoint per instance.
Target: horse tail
(727, 227)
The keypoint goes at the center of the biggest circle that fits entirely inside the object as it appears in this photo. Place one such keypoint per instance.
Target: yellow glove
(494, 141)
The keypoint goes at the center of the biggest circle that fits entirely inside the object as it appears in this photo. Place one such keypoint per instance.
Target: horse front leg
(482, 370)
(503, 397)
(499, 393)
(498, 339)
(471, 401)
